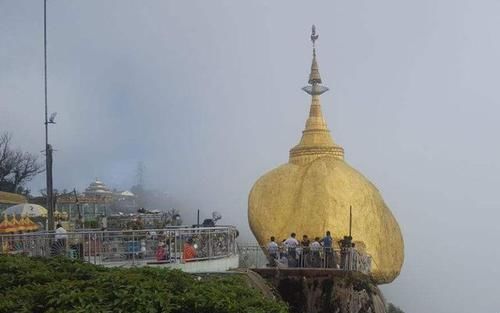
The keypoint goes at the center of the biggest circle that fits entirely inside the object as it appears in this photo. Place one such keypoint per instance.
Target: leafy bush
(62, 285)
(91, 224)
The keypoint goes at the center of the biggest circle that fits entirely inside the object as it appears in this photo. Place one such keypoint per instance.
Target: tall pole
(45, 73)
(48, 148)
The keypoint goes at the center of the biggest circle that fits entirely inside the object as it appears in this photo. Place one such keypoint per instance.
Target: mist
(207, 95)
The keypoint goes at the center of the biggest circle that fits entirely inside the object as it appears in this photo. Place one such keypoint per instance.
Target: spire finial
(314, 36)
(314, 78)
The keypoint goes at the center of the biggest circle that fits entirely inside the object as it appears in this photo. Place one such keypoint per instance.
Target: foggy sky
(207, 95)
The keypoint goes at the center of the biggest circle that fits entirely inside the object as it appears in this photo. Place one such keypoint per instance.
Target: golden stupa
(312, 193)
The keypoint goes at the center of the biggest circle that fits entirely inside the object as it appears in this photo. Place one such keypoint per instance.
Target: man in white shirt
(291, 245)
(291, 242)
(61, 237)
(315, 245)
(61, 233)
(272, 249)
(315, 249)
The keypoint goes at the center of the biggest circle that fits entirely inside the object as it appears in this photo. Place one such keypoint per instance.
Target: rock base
(325, 290)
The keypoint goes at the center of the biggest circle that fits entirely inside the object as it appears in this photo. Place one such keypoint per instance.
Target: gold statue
(312, 193)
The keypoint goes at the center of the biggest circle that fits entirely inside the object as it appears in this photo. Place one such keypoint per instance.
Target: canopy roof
(11, 198)
(27, 209)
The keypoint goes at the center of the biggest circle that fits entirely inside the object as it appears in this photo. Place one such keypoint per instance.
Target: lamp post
(48, 147)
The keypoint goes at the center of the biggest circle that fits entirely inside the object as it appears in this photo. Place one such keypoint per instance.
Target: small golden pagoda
(5, 224)
(16, 224)
(22, 226)
(312, 193)
(28, 224)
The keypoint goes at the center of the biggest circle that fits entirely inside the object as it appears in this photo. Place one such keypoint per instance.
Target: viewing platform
(211, 249)
(314, 260)
(315, 280)
(190, 249)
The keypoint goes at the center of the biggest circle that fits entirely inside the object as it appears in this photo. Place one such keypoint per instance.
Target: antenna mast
(48, 148)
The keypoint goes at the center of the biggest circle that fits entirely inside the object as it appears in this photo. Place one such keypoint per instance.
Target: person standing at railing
(315, 247)
(272, 249)
(161, 254)
(291, 245)
(283, 254)
(305, 253)
(168, 249)
(61, 233)
(188, 252)
(60, 237)
(327, 243)
(143, 252)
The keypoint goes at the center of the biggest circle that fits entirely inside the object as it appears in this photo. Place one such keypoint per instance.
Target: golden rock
(312, 193)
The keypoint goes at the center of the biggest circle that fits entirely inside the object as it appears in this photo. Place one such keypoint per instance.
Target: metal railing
(350, 259)
(128, 247)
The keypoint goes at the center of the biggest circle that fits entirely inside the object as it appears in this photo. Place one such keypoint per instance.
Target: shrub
(61, 285)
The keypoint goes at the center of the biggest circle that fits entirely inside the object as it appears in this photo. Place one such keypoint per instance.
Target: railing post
(175, 243)
(133, 247)
(42, 245)
(88, 248)
(351, 257)
(256, 258)
(171, 246)
(210, 249)
(99, 239)
(229, 242)
(95, 247)
(234, 245)
(103, 247)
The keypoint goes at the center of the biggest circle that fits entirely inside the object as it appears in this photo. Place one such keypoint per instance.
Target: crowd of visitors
(196, 247)
(306, 253)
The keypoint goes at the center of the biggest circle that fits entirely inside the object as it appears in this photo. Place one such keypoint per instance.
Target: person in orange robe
(189, 252)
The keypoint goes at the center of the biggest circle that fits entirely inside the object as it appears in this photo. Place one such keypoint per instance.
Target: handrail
(349, 259)
(128, 247)
(169, 228)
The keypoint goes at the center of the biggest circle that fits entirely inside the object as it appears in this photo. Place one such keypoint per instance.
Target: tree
(173, 217)
(16, 167)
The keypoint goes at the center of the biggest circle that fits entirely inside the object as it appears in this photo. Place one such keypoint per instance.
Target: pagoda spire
(316, 140)
(315, 87)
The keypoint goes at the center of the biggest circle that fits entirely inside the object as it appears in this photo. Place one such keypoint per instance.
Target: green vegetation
(91, 224)
(60, 285)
